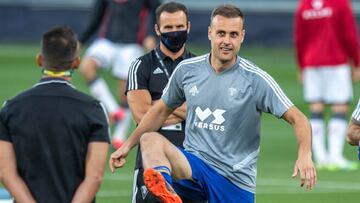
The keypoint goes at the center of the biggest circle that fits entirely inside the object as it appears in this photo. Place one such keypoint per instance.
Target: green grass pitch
(18, 71)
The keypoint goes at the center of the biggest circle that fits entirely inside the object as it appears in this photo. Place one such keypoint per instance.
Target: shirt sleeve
(356, 113)
(173, 94)
(138, 75)
(269, 97)
(4, 131)
(99, 130)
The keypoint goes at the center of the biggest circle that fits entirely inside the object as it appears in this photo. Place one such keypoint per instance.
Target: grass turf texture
(18, 71)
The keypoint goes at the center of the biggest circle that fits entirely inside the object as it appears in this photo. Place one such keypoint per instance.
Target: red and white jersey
(326, 33)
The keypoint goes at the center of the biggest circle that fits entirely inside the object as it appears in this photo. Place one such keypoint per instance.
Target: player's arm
(94, 171)
(140, 102)
(9, 176)
(138, 95)
(151, 122)
(181, 111)
(304, 163)
(353, 135)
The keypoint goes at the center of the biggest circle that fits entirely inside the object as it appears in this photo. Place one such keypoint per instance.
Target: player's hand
(117, 158)
(307, 171)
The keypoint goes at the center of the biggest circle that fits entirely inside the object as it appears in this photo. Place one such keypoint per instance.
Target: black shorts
(142, 195)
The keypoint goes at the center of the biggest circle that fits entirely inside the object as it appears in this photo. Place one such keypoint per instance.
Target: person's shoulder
(82, 96)
(19, 97)
(86, 100)
(250, 69)
(145, 60)
(191, 64)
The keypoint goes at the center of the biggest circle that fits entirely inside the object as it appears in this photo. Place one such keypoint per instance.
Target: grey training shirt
(223, 113)
(356, 112)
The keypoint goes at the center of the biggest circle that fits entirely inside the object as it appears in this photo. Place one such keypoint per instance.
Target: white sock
(337, 130)
(100, 90)
(121, 127)
(318, 141)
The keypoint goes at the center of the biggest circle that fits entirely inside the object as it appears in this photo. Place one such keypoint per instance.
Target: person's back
(53, 138)
(55, 118)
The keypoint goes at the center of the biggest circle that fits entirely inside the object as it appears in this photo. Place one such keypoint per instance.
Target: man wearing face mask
(148, 76)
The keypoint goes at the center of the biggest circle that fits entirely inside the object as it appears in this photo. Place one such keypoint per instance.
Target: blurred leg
(318, 131)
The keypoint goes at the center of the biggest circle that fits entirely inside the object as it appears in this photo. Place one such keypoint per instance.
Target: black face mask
(174, 41)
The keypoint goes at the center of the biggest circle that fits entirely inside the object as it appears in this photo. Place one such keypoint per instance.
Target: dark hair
(228, 11)
(170, 7)
(59, 46)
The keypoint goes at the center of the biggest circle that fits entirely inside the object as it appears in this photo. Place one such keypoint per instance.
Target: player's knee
(88, 68)
(151, 138)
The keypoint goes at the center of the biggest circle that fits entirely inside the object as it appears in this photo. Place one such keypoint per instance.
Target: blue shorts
(210, 185)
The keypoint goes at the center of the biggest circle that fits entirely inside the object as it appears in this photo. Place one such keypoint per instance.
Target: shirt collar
(52, 80)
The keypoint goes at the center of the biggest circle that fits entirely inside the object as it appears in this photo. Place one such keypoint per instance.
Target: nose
(226, 39)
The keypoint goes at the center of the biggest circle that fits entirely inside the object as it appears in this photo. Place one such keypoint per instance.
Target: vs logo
(219, 119)
(215, 124)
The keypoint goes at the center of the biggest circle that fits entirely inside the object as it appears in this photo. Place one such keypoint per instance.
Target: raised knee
(88, 68)
(151, 138)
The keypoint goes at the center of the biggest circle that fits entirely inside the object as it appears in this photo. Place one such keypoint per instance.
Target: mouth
(226, 49)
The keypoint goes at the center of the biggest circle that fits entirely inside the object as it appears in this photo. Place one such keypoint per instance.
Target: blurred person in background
(353, 135)
(327, 50)
(54, 139)
(225, 96)
(148, 77)
(123, 32)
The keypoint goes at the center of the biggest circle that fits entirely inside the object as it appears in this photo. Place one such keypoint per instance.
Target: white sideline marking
(280, 186)
(283, 186)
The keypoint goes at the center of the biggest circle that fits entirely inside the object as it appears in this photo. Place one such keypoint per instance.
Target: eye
(220, 33)
(180, 27)
(168, 27)
(234, 34)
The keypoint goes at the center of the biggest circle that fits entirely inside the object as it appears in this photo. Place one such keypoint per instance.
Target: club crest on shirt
(317, 4)
(232, 91)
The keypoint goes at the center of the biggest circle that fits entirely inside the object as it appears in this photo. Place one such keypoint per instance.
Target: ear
(157, 30)
(243, 36)
(75, 64)
(188, 27)
(40, 60)
(209, 32)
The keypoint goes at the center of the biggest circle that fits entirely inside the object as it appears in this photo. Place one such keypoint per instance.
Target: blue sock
(165, 171)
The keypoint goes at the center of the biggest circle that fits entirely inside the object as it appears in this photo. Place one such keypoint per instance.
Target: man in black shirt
(122, 26)
(53, 138)
(149, 75)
